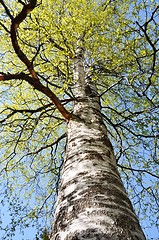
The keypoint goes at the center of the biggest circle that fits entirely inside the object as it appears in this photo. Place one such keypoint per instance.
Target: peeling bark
(92, 201)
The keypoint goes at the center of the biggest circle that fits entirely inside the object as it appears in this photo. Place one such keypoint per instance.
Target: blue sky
(29, 234)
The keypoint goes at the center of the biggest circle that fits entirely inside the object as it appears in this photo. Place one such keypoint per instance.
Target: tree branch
(40, 87)
(14, 26)
(152, 44)
(138, 170)
(34, 80)
(5, 28)
(6, 9)
(31, 111)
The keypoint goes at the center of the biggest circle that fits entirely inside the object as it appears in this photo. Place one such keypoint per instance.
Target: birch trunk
(92, 201)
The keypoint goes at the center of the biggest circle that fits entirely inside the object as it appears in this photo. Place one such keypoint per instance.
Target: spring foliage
(120, 41)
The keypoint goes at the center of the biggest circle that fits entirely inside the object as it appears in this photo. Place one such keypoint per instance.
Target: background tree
(121, 56)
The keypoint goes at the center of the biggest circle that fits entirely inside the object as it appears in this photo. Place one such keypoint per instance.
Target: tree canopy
(38, 40)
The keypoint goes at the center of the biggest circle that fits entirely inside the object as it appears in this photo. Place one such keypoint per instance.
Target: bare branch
(138, 170)
(56, 45)
(31, 111)
(152, 44)
(6, 9)
(5, 28)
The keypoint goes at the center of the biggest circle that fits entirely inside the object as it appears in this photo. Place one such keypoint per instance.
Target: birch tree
(79, 104)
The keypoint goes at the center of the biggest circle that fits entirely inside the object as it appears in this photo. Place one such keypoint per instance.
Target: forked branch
(33, 80)
(40, 87)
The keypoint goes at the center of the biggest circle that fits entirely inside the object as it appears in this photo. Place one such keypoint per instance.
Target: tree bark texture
(92, 201)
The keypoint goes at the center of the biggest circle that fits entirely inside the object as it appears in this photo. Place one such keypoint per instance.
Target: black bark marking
(93, 233)
(92, 196)
(89, 92)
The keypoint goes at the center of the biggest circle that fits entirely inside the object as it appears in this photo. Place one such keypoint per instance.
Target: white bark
(92, 202)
